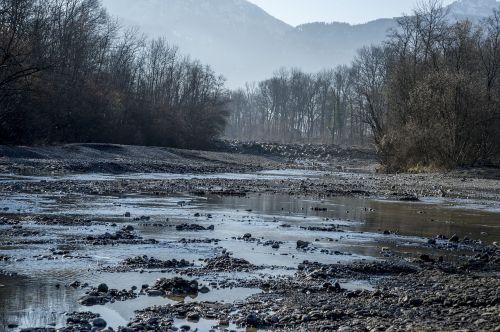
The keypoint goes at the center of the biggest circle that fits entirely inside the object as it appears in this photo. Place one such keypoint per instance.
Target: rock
(90, 300)
(227, 263)
(127, 214)
(176, 286)
(194, 316)
(321, 229)
(302, 244)
(247, 236)
(431, 241)
(426, 258)
(102, 288)
(75, 284)
(204, 290)
(409, 198)
(454, 238)
(193, 227)
(146, 262)
(155, 292)
(416, 302)
(99, 322)
(253, 320)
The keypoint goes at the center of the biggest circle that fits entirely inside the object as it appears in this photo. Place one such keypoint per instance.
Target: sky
(296, 12)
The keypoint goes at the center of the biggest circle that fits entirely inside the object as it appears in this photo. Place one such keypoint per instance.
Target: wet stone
(176, 286)
(228, 263)
(102, 295)
(102, 288)
(99, 322)
(194, 227)
(302, 244)
(146, 262)
(321, 229)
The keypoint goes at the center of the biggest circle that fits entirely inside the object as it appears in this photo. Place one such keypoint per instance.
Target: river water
(32, 298)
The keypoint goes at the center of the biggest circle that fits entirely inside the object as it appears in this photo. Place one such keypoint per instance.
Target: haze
(296, 12)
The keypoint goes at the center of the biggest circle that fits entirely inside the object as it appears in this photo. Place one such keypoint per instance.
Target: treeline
(296, 107)
(69, 73)
(440, 96)
(429, 96)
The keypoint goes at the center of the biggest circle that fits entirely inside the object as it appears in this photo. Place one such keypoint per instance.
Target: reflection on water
(28, 302)
(38, 302)
(369, 215)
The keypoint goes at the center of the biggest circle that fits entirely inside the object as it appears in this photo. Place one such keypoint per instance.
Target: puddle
(119, 313)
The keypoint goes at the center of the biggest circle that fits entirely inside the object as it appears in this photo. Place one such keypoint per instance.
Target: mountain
(472, 9)
(244, 43)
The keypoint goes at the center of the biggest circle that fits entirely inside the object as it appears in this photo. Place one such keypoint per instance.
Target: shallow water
(34, 300)
(267, 175)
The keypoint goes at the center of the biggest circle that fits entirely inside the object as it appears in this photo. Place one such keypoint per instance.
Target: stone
(155, 292)
(426, 258)
(90, 300)
(99, 322)
(416, 302)
(75, 284)
(302, 244)
(193, 316)
(204, 290)
(253, 320)
(102, 288)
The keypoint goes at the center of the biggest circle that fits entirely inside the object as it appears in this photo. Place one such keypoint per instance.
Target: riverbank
(163, 239)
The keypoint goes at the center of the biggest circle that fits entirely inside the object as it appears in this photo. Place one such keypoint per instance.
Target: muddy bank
(342, 171)
(115, 159)
(401, 187)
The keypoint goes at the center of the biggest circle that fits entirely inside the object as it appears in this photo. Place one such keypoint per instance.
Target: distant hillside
(472, 9)
(244, 43)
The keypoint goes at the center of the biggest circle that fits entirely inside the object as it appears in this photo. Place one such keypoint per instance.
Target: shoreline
(290, 239)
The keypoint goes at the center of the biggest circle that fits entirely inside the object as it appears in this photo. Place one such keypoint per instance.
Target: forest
(428, 97)
(69, 73)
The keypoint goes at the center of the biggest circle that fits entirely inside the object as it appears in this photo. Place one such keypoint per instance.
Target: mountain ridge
(244, 43)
